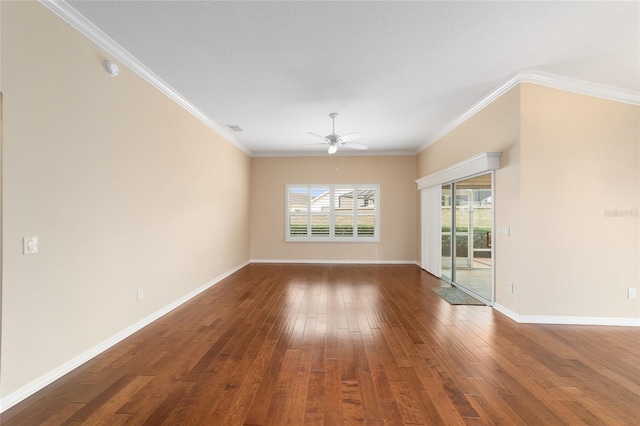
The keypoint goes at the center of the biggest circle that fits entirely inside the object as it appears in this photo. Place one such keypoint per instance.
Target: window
(332, 213)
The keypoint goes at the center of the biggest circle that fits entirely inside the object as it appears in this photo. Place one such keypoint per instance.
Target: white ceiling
(397, 72)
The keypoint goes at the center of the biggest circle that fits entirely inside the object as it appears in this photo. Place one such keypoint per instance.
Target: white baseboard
(506, 311)
(53, 375)
(566, 320)
(343, 262)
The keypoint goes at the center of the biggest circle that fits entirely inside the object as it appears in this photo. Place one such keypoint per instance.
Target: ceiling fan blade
(316, 135)
(349, 137)
(313, 144)
(354, 145)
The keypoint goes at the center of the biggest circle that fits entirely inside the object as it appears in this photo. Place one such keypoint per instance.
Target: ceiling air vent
(235, 127)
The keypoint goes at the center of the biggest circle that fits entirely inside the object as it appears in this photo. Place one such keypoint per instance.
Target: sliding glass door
(467, 220)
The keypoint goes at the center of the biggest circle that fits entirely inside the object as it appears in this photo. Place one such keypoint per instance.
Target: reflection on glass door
(446, 233)
(472, 217)
(461, 218)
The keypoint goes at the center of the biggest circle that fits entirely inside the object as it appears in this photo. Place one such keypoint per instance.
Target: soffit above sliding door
(481, 163)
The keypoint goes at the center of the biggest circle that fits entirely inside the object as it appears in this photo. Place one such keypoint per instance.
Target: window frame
(309, 237)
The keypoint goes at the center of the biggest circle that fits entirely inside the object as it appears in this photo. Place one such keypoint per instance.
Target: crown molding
(581, 87)
(541, 78)
(68, 14)
(323, 153)
(512, 82)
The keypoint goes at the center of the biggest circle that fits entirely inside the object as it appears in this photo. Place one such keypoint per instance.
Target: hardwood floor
(345, 344)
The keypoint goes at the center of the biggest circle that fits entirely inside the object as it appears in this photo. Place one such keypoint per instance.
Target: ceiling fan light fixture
(334, 139)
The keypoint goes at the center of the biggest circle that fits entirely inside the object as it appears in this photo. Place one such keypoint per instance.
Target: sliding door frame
(431, 224)
(453, 240)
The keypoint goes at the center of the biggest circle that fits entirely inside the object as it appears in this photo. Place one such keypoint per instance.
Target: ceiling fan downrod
(333, 116)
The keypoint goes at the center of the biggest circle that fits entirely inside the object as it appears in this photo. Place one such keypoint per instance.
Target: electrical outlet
(140, 294)
(632, 293)
(220, 260)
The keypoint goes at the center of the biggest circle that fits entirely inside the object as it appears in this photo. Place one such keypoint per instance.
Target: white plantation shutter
(343, 206)
(297, 211)
(366, 211)
(320, 211)
(332, 213)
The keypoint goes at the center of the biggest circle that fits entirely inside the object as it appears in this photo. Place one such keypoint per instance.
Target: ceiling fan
(334, 140)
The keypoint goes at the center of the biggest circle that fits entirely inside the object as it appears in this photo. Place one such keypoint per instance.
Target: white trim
(323, 153)
(567, 320)
(506, 311)
(341, 261)
(512, 82)
(332, 213)
(67, 13)
(481, 163)
(541, 78)
(494, 209)
(543, 319)
(582, 87)
(53, 375)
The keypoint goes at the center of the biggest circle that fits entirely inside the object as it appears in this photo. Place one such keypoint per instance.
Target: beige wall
(495, 128)
(580, 157)
(567, 160)
(123, 188)
(395, 175)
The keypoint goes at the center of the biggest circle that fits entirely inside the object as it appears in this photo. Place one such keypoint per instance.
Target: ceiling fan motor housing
(333, 139)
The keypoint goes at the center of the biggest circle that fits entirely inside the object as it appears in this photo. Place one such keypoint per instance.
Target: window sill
(332, 240)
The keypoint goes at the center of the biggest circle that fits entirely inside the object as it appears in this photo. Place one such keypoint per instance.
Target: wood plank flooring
(346, 344)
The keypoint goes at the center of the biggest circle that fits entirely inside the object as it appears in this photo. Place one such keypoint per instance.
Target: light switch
(30, 245)
(503, 230)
